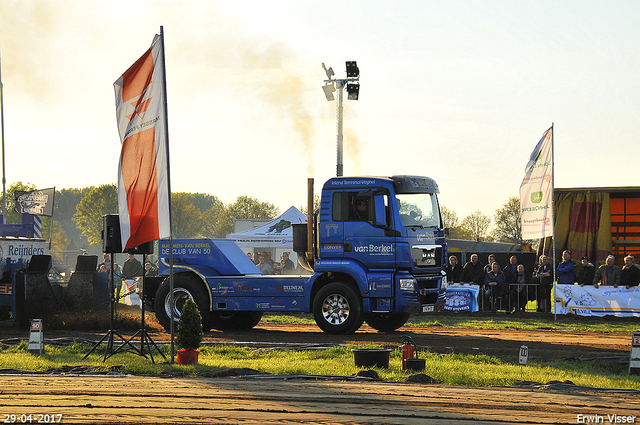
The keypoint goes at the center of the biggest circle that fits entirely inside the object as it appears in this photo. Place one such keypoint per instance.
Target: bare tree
(451, 221)
(476, 226)
(508, 227)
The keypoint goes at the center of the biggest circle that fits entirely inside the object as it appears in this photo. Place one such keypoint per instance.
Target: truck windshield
(419, 210)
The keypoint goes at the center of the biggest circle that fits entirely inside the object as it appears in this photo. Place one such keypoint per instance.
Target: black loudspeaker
(87, 264)
(145, 248)
(39, 264)
(299, 237)
(111, 233)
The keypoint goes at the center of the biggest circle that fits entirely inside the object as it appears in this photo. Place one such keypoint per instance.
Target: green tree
(508, 227)
(210, 220)
(316, 205)
(244, 207)
(476, 226)
(59, 242)
(96, 203)
(64, 207)
(12, 216)
(202, 201)
(186, 219)
(450, 220)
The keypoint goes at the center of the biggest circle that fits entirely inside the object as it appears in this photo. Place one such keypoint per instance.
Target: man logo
(536, 197)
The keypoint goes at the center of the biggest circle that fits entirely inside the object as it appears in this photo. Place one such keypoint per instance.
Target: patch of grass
(453, 369)
(492, 321)
(534, 322)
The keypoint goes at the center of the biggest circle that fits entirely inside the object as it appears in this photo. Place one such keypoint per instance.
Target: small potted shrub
(189, 333)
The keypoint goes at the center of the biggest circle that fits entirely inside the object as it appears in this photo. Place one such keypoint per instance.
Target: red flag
(143, 180)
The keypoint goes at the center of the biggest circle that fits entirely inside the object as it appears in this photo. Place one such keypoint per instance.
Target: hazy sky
(460, 91)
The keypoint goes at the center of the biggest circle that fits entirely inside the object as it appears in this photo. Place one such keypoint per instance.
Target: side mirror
(380, 211)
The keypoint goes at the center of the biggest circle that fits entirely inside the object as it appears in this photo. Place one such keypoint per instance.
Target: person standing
(286, 265)
(511, 269)
(520, 294)
(607, 274)
(566, 269)
(264, 266)
(543, 277)
(453, 270)
(490, 260)
(586, 273)
(131, 268)
(630, 274)
(473, 272)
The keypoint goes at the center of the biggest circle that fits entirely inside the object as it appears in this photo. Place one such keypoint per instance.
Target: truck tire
(337, 309)
(184, 287)
(235, 320)
(386, 322)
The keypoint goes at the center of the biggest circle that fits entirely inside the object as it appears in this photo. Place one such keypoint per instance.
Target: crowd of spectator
(514, 286)
(267, 265)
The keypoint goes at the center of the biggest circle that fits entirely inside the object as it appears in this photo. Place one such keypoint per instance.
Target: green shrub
(190, 326)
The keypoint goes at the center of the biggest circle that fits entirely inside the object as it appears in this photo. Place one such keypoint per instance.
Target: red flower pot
(188, 356)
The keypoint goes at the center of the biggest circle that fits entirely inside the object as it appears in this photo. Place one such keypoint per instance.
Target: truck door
(366, 236)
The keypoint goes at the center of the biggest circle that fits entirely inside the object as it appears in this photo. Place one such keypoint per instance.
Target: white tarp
(605, 300)
(277, 233)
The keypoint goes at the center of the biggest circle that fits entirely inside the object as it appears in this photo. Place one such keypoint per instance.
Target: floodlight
(352, 69)
(353, 89)
(328, 91)
(329, 71)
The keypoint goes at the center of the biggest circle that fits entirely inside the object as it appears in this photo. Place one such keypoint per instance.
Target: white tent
(277, 233)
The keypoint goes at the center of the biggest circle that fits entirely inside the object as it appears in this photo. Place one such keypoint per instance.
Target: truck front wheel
(386, 322)
(337, 309)
(184, 287)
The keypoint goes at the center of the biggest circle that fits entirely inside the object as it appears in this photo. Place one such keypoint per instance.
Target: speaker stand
(145, 339)
(109, 336)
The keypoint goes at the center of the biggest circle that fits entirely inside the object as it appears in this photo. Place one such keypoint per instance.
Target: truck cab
(386, 234)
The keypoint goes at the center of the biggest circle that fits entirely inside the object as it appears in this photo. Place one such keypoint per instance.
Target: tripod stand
(109, 336)
(145, 339)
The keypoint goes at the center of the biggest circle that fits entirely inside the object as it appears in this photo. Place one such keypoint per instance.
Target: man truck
(374, 252)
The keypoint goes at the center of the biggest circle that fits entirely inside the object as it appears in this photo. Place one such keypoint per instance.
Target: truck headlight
(407, 285)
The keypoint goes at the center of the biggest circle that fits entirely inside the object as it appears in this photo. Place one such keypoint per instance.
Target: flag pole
(4, 179)
(166, 132)
(553, 220)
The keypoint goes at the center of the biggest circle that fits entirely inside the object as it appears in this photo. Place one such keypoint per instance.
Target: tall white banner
(536, 191)
(143, 179)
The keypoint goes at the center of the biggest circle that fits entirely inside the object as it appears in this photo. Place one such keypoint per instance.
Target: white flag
(143, 185)
(536, 191)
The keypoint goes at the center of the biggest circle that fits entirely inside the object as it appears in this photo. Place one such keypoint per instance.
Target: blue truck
(376, 253)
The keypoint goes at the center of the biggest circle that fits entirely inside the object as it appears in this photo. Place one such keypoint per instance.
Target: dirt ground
(282, 400)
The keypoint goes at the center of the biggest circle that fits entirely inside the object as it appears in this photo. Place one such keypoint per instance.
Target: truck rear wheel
(337, 309)
(386, 322)
(184, 287)
(234, 320)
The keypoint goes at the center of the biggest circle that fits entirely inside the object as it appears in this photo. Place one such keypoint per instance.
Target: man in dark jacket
(543, 277)
(495, 285)
(511, 269)
(586, 273)
(522, 293)
(630, 274)
(473, 272)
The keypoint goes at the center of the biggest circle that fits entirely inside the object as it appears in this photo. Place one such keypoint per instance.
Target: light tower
(352, 85)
